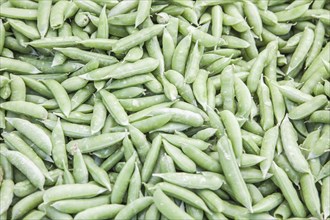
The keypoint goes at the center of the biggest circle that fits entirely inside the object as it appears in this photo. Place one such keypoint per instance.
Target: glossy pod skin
(142, 109)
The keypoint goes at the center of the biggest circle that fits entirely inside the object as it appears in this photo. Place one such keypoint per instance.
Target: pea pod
(126, 70)
(232, 173)
(27, 204)
(114, 107)
(291, 148)
(288, 191)
(203, 38)
(161, 199)
(15, 142)
(72, 191)
(182, 194)
(308, 108)
(18, 66)
(72, 206)
(33, 132)
(181, 141)
(122, 181)
(180, 159)
(26, 166)
(204, 180)
(7, 192)
(98, 142)
(102, 211)
(135, 39)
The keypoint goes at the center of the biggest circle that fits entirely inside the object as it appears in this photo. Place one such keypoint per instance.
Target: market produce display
(164, 109)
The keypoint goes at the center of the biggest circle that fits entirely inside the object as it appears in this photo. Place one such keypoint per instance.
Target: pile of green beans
(164, 109)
